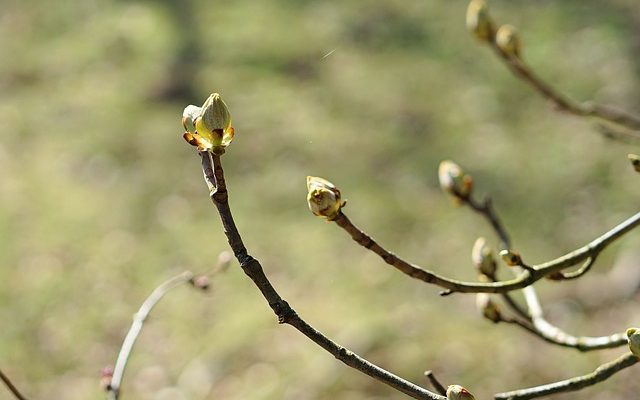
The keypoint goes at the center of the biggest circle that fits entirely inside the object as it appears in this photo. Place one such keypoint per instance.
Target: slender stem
(606, 113)
(158, 293)
(214, 175)
(439, 387)
(570, 385)
(12, 388)
(523, 280)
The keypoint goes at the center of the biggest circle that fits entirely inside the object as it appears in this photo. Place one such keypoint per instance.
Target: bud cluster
(208, 127)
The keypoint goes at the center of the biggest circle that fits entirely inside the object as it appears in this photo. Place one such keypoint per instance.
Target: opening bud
(487, 307)
(635, 161)
(511, 258)
(208, 127)
(323, 198)
(508, 40)
(457, 392)
(479, 21)
(482, 258)
(633, 334)
(453, 180)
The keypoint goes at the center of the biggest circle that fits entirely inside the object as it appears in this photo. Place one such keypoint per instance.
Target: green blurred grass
(102, 200)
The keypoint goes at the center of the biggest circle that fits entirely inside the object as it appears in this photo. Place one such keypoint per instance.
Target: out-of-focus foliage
(101, 199)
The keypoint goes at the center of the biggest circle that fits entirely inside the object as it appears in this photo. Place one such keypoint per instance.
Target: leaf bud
(487, 307)
(453, 180)
(633, 334)
(635, 161)
(323, 198)
(208, 127)
(482, 258)
(479, 21)
(511, 258)
(508, 40)
(457, 392)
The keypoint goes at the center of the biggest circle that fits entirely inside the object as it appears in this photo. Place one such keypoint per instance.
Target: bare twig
(214, 176)
(523, 280)
(570, 385)
(12, 388)
(435, 382)
(113, 389)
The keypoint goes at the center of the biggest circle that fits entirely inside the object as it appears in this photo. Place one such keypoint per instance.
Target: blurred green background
(101, 199)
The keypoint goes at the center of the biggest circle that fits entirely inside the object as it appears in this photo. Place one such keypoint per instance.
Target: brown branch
(435, 382)
(570, 385)
(113, 388)
(523, 280)
(563, 103)
(12, 388)
(214, 176)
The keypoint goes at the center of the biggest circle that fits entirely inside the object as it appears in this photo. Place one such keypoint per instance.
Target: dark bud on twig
(482, 258)
(635, 161)
(106, 374)
(511, 258)
(201, 282)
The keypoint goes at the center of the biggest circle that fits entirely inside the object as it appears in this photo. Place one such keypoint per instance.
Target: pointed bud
(511, 258)
(482, 257)
(633, 334)
(635, 161)
(488, 308)
(479, 21)
(323, 198)
(457, 392)
(208, 127)
(508, 40)
(453, 179)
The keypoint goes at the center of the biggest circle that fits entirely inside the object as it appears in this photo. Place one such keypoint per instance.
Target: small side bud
(457, 392)
(635, 161)
(482, 258)
(224, 261)
(208, 127)
(633, 334)
(323, 198)
(453, 180)
(479, 21)
(106, 375)
(511, 258)
(508, 40)
(201, 282)
(488, 308)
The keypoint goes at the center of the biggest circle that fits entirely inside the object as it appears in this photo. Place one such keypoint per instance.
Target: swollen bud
(479, 21)
(508, 40)
(511, 258)
(453, 180)
(323, 198)
(635, 161)
(482, 258)
(457, 392)
(208, 127)
(633, 334)
(487, 307)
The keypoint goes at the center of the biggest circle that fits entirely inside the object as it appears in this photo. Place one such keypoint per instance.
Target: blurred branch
(214, 177)
(435, 382)
(564, 103)
(570, 385)
(113, 388)
(12, 388)
(523, 280)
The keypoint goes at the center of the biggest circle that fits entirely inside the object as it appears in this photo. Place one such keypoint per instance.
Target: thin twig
(523, 280)
(563, 103)
(113, 389)
(435, 382)
(12, 388)
(570, 385)
(214, 176)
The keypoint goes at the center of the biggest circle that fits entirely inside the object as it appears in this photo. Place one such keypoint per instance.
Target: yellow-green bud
(208, 127)
(487, 307)
(633, 334)
(511, 258)
(479, 21)
(457, 392)
(323, 198)
(482, 257)
(635, 161)
(508, 40)
(453, 179)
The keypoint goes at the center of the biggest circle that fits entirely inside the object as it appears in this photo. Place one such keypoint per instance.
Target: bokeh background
(101, 199)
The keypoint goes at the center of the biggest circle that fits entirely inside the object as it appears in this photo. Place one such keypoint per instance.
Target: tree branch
(214, 176)
(570, 385)
(12, 388)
